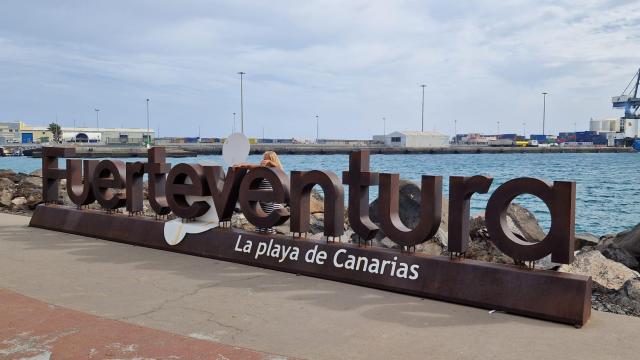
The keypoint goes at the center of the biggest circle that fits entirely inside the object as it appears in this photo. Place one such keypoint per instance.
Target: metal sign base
(548, 295)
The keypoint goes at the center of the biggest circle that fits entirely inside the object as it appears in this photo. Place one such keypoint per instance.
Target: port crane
(629, 100)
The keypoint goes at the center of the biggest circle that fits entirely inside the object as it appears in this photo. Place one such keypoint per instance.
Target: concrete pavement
(281, 313)
(32, 329)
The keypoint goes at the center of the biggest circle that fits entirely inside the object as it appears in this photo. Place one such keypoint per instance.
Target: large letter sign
(192, 202)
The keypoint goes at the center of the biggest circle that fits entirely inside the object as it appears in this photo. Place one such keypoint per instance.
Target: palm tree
(56, 130)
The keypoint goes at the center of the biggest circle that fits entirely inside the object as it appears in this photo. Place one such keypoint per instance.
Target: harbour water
(608, 195)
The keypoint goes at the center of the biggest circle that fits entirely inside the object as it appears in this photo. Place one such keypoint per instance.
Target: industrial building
(108, 136)
(414, 139)
(17, 132)
(20, 133)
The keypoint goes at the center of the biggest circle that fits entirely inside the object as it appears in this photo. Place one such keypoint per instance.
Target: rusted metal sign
(543, 294)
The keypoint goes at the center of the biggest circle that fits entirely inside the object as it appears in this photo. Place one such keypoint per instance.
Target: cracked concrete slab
(281, 313)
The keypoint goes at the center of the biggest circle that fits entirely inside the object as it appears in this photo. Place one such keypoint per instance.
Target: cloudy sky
(350, 62)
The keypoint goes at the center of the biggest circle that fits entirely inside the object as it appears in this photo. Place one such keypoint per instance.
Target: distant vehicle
(533, 143)
(501, 142)
(522, 143)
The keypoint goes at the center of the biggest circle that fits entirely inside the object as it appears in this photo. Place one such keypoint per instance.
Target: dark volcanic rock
(409, 208)
(629, 296)
(521, 222)
(623, 247)
(620, 255)
(585, 239)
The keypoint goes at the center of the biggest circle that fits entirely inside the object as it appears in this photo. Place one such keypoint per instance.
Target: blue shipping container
(27, 138)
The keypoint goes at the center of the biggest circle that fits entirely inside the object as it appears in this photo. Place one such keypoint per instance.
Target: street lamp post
(544, 111)
(384, 127)
(241, 103)
(524, 129)
(234, 123)
(498, 129)
(455, 131)
(317, 128)
(148, 127)
(423, 86)
(97, 121)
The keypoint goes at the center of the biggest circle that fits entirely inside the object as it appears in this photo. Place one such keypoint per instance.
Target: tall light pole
(241, 103)
(544, 111)
(234, 122)
(148, 131)
(498, 129)
(423, 86)
(524, 129)
(317, 128)
(384, 127)
(455, 131)
(97, 122)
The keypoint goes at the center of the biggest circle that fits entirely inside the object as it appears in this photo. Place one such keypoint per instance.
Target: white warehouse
(416, 139)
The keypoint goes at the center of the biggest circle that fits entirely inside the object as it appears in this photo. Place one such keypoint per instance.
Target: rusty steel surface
(302, 182)
(51, 173)
(177, 190)
(549, 295)
(359, 178)
(430, 210)
(461, 188)
(80, 181)
(224, 188)
(251, 196)
(110, 175)
(157, 170)
(135, 187)
(560, 198)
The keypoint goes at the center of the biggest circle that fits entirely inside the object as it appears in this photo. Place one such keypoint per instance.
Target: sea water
(607, 190)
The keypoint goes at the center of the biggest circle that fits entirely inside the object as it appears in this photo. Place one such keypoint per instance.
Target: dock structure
(190, 150)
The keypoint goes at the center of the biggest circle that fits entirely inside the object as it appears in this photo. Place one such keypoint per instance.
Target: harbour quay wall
(189, 150)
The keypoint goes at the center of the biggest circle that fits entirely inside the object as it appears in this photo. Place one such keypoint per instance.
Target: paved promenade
(276, 313)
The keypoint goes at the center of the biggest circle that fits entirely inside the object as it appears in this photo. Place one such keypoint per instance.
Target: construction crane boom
(629, 100)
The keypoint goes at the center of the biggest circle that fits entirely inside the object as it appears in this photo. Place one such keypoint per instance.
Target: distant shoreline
(190, 150)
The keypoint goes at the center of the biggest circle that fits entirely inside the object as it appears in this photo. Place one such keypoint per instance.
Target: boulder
(521, 222)
(524, 223)
(408, 204)
(9, 174)
(6, 183)
(37, 172)
(607, 275)
(33, 200)
(629, 296)
(32, 181)
(620, 255)
(409, 208)
(316, 223)
(316, 203)
(5, 197)
(624, 246)
(239, 221)
(19, 201)
(585, 239)
(484, 250)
